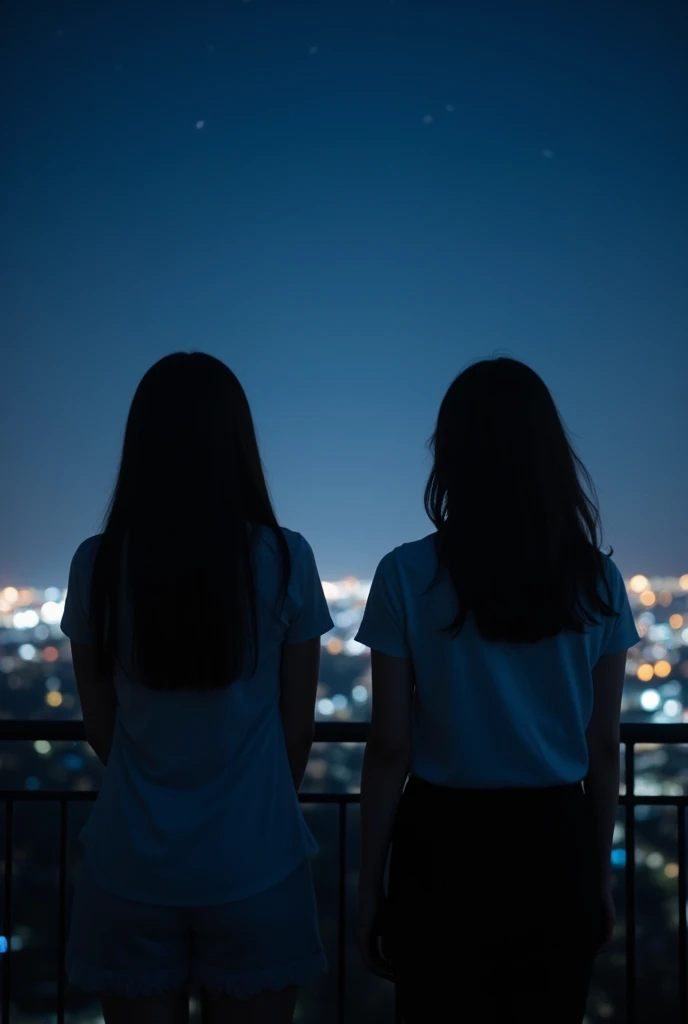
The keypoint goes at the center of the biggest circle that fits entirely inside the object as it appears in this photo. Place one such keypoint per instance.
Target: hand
(608, 918)
(368, 938)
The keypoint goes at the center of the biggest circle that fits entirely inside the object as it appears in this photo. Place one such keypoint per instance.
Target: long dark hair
(515, 510)
(180, 528)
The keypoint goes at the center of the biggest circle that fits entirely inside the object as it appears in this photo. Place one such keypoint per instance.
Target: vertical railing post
(341, 944)
(629, 775)
(62, 911)
(682, 937)
(7, 910)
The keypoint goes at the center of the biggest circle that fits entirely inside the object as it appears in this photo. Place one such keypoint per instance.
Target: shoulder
(411, 559)
(82, 560)
(614, 579)
(299, 548)
(296, 542)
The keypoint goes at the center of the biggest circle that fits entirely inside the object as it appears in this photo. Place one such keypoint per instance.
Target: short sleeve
(621, 632)
(383, 625)
(311, 616)
(75, 623)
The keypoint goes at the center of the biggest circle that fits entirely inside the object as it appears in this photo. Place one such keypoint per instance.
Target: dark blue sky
(346, 202)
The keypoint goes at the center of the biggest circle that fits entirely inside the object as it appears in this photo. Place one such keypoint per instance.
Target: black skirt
(493, 911)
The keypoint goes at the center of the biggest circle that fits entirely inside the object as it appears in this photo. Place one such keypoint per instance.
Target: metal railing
(632, 735)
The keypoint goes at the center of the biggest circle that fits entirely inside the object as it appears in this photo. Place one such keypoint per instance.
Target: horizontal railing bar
(73, 731)
(79, 795)
(325, 732)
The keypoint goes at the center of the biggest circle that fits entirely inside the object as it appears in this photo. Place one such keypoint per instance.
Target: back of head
(189, 496)
(518, 528)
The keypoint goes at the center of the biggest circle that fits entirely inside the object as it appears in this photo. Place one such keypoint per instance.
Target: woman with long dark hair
(492, 767)
(195, 623)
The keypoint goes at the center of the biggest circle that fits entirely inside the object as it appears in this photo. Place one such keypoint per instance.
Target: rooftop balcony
(338, 1001)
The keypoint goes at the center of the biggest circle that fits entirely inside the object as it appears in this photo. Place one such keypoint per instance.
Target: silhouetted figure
(499, 645)
(195, 623)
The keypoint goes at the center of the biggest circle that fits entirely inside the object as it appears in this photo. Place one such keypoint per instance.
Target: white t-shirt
(197, 805)
(488, 714)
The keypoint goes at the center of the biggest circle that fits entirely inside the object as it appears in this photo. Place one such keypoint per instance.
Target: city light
(50, 654)
(42, 747)
(325, 707)
(639, 583)
(673, 708)
(331, 590)
(26, 619)
(648, 598)
(11, 594)
(52, 611)
(675, 621)
(53, 698)
(27, 652)
(662, 669)
(683, 581)
(360, 694)
(645, 672)
(650, 700)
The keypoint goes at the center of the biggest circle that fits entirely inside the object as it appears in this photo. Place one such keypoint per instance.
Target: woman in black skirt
(492, 768)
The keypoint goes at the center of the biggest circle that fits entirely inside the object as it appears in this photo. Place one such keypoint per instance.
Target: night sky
(346, 202)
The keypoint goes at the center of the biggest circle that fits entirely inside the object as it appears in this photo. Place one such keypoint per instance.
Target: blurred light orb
(639, 583)
(51, 612)
(27, 652)
(650, 700)
(26, 619)
(648, 598)
(675, 621)
(645, 672)
(53, 698)
(360, 694)
(325, 707)
(330, 590)
(662, 669)
(683, 581)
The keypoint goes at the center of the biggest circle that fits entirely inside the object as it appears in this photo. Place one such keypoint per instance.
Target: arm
(298, 687)
(603, 736)
(98, 701)
(385, 769)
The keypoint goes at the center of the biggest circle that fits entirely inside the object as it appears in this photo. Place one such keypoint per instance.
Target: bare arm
(603, 736)
(98, 701)
(385, 767)
(298, 688)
